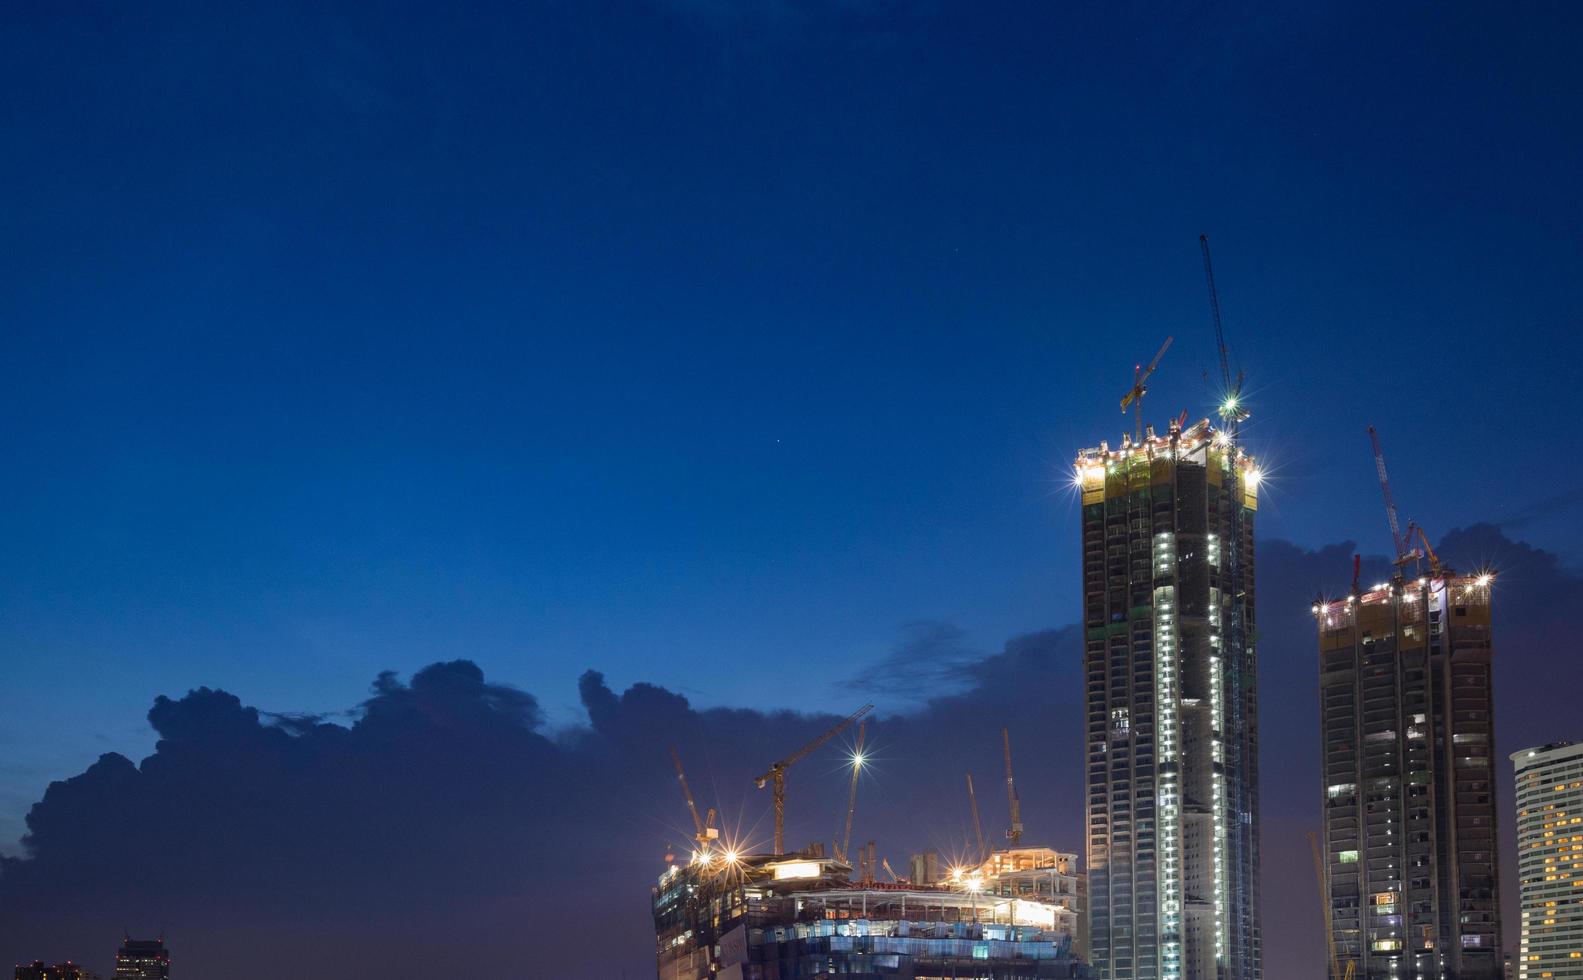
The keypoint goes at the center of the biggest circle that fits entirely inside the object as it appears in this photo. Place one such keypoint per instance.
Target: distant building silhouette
(142, 959)
(39, 970)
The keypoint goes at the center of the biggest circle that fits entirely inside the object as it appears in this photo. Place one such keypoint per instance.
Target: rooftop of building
(1469, 587)
(1546, 754)
(1177, 439)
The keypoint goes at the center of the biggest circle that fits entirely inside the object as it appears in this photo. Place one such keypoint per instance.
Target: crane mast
(1231, 410)
(775, 777)
(1014, 834)
(851, 800)
(1402, 540)
(978, 828)
(704, 831)
(1324, 909)
(1398, 540)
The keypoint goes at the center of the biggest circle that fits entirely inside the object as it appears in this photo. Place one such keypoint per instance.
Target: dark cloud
(443, 829)
(931, 657)
(1538, 510)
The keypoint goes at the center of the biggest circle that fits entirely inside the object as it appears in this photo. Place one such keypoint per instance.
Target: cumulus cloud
(442, 828)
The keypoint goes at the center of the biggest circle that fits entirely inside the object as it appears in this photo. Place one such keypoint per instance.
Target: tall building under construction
(1172, 720)
(1409, 812)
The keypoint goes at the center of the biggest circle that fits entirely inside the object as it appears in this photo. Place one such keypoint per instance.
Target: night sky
(372, 374)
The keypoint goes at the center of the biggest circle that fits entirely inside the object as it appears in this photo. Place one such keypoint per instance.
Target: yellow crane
(704, 830)
(851, 800)
(1140, 377)
(776, 775)
(978, 828)
(1324, 910)
(1015, 833)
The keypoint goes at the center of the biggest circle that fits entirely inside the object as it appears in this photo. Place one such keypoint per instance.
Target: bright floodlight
(1254, 476)
(857, 760)
(1484, 579)
(731, 857)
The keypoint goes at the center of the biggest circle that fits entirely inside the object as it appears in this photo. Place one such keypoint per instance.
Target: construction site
(829, 911)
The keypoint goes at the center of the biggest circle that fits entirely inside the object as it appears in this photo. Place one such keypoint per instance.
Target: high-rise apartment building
(1550, 861)
(1409, 812)
(142, 959)
(1172, 719)
(39, 970)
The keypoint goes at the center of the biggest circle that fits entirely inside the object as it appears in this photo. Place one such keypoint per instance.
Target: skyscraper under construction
(1172, 720)
(1409, 814)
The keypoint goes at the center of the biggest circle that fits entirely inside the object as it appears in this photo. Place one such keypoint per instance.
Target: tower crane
(978, 828)
(775, 776)
(1231, 410)
(1402, 540)
(851, 800)
(1140, 375)
(1014, 834)
(885, 863)
(704, 830)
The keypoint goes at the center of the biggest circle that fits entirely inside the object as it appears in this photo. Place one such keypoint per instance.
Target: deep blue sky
(710, 343)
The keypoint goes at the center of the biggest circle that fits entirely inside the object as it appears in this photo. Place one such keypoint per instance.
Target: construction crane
(776, 775)
(1014, 834)
(1398, 540)
(1401, 540)
(885, 863)
(851, 800)
(1134, 398)
(978, 828)
(1231, 410)
(1324, 910)
(1424, 546)
(704, 830)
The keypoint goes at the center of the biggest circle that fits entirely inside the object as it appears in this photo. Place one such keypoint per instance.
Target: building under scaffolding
(725, 916)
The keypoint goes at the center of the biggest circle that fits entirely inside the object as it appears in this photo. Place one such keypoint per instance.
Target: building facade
(142, 959)
(1550, 861)
(1408, 733)
(1172, 711)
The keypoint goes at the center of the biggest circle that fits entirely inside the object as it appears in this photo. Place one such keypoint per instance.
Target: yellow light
(1254, 476)
(731, 857)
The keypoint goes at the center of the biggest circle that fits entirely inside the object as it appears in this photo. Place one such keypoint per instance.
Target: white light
(1253, 478)
(1484, 580)
(797, 869)
(857, 760)
(731, 857)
